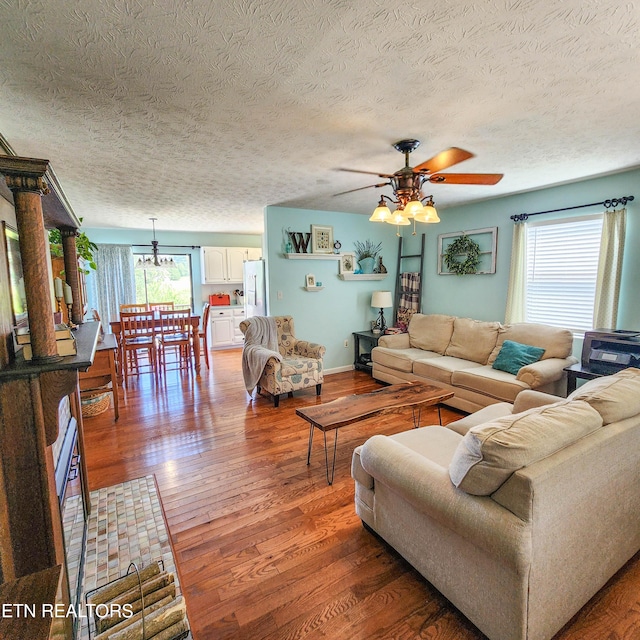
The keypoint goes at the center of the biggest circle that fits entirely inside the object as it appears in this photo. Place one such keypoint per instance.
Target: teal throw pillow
(513, 356)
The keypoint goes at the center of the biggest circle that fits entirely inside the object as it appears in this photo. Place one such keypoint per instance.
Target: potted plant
(366, 254)
(84, 247)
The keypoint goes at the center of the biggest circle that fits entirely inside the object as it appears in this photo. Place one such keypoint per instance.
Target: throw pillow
(489, 453)
(513, 356)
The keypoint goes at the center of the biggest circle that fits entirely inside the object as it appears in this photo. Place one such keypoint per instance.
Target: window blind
(562, 266)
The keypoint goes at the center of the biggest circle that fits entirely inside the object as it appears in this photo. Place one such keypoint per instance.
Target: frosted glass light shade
(381, 299)
(380, 214)
(428, 214)
(398, 218)
(413, 208)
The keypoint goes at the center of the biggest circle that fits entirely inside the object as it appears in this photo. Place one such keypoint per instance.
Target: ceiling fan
(407, 184)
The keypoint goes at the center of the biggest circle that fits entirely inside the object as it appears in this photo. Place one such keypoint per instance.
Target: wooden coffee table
(392, 399)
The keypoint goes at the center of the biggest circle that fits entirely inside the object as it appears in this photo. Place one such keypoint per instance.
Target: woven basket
(94, 403)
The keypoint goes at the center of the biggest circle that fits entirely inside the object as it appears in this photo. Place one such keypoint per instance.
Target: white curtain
(605, 310)
(516, 293)
(113, 282)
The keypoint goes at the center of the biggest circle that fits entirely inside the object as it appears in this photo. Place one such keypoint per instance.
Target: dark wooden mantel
(31, 538)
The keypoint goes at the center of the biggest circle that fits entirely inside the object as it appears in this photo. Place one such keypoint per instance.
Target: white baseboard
(348, 367)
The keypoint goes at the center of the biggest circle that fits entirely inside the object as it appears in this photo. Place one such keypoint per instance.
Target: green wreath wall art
(462, 256)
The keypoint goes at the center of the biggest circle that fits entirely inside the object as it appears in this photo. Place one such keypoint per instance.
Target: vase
(366, 264)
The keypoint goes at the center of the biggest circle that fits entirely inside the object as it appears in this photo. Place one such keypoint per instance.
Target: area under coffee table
(392, 399)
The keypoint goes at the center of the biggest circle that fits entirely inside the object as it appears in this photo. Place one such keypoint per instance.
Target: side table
(576, 371)
(363, 340)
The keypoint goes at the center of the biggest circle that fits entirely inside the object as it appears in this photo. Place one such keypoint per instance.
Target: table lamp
(381, 299)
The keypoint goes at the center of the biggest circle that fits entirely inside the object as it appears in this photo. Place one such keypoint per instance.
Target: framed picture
(321, 239)
(347, 263)
(310, 280)
(16, 278)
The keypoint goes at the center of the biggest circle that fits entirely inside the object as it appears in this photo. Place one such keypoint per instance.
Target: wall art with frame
(321, 239)
(347, 263)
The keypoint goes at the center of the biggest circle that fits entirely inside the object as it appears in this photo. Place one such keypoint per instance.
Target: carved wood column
(71, 272)
(24, 177)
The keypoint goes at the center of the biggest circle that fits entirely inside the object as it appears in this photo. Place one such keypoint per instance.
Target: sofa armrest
(544, 371)
(486, 414)
(309, 349)
(529, 399)
(395, 341)
(427, 487)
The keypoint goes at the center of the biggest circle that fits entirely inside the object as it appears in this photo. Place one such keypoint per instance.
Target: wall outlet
(346, 343)
(279, 295)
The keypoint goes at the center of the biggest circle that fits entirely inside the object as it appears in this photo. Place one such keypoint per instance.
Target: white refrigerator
(255, 293)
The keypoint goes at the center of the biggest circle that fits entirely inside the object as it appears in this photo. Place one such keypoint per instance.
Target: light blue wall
(143, 237)
(484, 296)
(329, 316)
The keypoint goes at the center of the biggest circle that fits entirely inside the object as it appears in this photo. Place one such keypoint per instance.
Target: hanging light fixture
(155, 262)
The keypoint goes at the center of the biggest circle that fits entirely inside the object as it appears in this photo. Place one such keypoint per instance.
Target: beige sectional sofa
(459, 353)
(522, 519)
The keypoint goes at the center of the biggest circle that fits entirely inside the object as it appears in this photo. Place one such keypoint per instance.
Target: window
(164, 284)
(562, 267)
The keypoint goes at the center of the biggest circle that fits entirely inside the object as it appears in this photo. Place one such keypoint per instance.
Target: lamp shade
(381, 299)
(413, 208)
(428, 214)
(380, 214)
(398, 218)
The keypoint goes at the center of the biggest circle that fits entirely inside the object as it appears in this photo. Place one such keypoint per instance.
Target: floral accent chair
(300, 367)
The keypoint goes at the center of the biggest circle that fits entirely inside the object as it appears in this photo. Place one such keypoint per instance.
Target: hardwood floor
(266, 550)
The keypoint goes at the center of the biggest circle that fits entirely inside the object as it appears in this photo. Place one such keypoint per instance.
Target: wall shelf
(362, 276)
(311, 256)
(313, 288)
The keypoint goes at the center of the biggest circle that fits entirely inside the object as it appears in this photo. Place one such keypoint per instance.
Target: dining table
(116, 329)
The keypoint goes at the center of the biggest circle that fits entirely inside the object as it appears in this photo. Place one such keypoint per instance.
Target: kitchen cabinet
(224, 326)
(224, 264)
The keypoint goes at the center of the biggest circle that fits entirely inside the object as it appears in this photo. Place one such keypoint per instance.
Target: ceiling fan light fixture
(381, 213)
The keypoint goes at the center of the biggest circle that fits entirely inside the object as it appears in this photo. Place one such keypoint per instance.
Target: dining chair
(133, 308)
(204, 335)
(138, 335)
(175, 334)
(161, 306)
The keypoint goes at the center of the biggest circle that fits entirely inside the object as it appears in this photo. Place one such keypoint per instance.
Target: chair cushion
(488, 454)
(473, 339)
(514, 355)
(430, 332)
(615, 397)
(296, 366)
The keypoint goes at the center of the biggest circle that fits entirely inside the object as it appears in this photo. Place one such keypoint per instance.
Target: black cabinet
(363, 344)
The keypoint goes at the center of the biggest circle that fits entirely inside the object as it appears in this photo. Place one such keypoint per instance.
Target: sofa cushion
(515, 355)
(557, 343)
(441, 368)
(436, 443)
(615, 397)
(399, 359)
(472, 339)
(430, 332)
(488, 454)
(490, 382)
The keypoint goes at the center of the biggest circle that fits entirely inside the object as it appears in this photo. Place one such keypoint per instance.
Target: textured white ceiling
(201, 113)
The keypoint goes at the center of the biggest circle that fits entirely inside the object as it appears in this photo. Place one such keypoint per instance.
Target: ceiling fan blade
(444, 160)
(372, 173)
(382, 184)
(466, 178)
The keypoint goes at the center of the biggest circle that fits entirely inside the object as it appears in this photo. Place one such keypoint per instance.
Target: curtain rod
(607, 204)
(171, 246)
